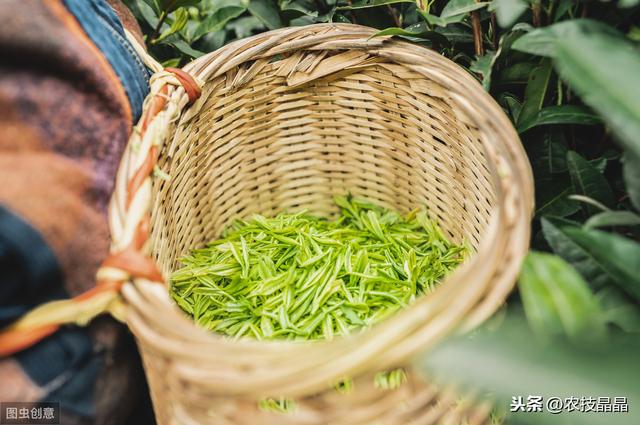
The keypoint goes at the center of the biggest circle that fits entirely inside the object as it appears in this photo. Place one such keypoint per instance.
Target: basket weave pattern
(285, 121)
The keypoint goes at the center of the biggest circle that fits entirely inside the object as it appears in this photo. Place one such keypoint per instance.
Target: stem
(536, 10)
(559, 91)
(477, 33)
(494, 31)
(352, 14)
(394, 15)
(156, 32)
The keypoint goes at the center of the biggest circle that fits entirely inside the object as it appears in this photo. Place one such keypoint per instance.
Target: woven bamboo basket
(285, 120)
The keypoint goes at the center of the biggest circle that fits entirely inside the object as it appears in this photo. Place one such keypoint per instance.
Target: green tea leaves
(298, 276)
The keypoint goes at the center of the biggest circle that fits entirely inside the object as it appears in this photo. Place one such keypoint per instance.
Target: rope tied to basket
(122, 265)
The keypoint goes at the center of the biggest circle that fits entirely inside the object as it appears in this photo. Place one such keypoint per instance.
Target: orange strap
(13, 341)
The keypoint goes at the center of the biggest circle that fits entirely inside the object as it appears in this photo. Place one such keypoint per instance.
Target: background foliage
(566, 72)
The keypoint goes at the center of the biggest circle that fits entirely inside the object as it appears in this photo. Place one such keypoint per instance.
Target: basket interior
(271, 138)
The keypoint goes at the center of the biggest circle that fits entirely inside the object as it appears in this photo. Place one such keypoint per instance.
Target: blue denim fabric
(103, 27)
(30, 271)
(30, 276)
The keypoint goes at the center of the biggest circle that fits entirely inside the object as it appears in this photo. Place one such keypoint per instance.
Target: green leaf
(483, 66)
(169, 6)
(627, 4)
(460, 7)
(554, 199)
(612, 218)
(564, 114)
(511, 104)
(588, 181)
(517, 73)
(364, 4)
(183, 47)
(556, 298)
(508, 11)
(421, 34)
(563, 7)
(303, 6)
(267, 12)
(535, 92)
(548, 156)
(245, 26)
(618, 310)
(456, 33)
(147, 12)
(179, 21)
(441, 21)
(554, 231)
(603, 68)
(512, 361)
(543, 41)
(631, 175)
(217, 20)
(170, 63)
(617, 255)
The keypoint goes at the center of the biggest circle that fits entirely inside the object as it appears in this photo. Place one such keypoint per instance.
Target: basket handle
(127, 261)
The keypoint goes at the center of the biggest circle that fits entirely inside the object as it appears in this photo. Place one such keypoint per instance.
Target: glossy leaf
(631, 174)
(179, 21)
(183, 47)
(508, 11)
(169, 6)
(554, 231)
(217, 20)
(556, 298)
(460, 7)
(535, 92)
(484, 67)
(421, 34)
(615, 254)
(562, 8)
(543, 41)
(549, 155)
(613, 218)
(517, 73)
(511, 361)
(603, 68)
(627, 4)
(364, 4)
(619, 309)
(588, 181)
(441, 21)
(565, 114)
(552, 197)
(267, 12)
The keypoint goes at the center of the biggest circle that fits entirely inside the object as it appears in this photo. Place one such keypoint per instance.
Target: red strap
(135, 263)
(189, 84)
(12, 341)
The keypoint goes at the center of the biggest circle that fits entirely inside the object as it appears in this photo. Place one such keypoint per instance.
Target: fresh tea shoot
(298, 276)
